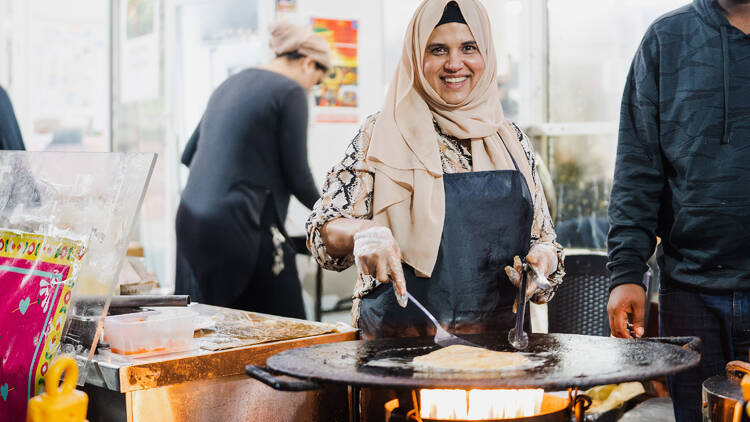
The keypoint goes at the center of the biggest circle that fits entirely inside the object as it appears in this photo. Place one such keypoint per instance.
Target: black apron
(233, 259)
(488, 218)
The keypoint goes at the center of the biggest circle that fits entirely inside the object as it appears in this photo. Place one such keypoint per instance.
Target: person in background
(10, 134)
(247, 156)
(438, 193)
(682, 173)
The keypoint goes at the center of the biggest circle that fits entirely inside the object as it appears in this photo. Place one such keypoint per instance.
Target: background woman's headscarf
(287, 37)
(409, 196)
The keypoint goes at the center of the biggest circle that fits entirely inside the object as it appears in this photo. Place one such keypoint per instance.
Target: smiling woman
(418, 202)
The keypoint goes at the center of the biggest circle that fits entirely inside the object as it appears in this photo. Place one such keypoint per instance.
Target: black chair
(580, 304)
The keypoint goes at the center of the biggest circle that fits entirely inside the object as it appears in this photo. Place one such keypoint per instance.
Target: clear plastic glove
(377, 254)
(541, 262)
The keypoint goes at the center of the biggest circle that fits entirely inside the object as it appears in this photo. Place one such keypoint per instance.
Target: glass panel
(591, 45)
(140, 123)
(74, 208)
(215, 40)
(511, 43)
(582, 169)
(68, 81)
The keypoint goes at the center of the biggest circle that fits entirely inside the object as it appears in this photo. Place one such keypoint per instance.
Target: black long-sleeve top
(10, 134)
(683, 161)
(253, 139)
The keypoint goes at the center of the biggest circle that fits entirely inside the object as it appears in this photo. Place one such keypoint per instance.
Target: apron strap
(506, 148)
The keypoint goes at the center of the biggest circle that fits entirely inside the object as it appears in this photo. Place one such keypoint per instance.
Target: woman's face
(309, 74)
(452, 63)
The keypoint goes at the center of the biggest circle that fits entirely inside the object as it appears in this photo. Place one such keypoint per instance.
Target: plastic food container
(150, 333)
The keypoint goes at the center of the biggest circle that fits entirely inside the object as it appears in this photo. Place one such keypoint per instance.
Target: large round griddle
(564, 361)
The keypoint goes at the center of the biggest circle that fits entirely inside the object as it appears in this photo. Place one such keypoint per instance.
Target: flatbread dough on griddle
(467, 358)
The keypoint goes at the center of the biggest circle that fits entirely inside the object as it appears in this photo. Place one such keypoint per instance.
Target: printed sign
(286, 6)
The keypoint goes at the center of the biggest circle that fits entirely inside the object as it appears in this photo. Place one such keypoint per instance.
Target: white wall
(328, 141)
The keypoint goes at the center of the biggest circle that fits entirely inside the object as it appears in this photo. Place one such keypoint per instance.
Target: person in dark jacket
(246, 158)
(682, 174)
(10, 134)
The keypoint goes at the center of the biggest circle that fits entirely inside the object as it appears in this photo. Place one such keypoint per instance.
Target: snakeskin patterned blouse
(348, 192)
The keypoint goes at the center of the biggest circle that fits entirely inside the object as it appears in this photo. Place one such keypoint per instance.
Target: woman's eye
(470, 48)
(438, 50)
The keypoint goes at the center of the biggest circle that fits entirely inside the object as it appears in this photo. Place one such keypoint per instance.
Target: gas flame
(478, 405)
(443, 404)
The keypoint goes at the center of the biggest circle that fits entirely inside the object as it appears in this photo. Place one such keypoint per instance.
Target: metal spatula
(442, 337)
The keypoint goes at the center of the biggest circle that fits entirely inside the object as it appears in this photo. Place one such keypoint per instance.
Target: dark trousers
(721, 320)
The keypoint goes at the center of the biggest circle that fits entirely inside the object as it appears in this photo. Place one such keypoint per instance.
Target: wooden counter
(205, 385)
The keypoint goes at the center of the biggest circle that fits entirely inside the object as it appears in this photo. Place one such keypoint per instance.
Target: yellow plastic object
(59, 404)
(745, 384)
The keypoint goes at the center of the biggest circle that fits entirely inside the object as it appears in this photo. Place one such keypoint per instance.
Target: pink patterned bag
(37, 275)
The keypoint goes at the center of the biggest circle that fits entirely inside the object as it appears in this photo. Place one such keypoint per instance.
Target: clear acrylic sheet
(91, 198)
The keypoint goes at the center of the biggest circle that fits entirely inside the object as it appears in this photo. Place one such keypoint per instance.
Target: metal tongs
(442, 337)
(516, 336)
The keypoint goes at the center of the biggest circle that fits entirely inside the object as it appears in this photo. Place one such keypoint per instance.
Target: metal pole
(318, 294)
(354, 410)
(111, 109)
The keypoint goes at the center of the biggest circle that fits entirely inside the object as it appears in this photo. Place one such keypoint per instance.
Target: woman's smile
(455, 83)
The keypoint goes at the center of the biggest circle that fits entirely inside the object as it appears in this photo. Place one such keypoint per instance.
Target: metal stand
(354, 409)
(300, 245)
(318, 293)
(579, 403)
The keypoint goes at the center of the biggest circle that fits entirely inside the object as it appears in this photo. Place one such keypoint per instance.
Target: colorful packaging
(37, 276)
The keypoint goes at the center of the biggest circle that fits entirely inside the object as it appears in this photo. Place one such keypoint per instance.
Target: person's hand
(377, 254)
(627, 300)
(542, 262)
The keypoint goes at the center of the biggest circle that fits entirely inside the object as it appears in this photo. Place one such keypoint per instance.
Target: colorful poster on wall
(339, 87)
(286, 6)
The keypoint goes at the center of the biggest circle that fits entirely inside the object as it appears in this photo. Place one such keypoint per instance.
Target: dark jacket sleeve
(10, 134)
(190, 147)
(293, 147)
(639, 175)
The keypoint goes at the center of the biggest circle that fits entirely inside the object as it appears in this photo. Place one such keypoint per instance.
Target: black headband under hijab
(452, 13)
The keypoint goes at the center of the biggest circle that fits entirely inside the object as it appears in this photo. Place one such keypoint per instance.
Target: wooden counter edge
(214, 365)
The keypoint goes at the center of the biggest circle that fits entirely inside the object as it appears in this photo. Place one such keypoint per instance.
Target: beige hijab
(404, 153)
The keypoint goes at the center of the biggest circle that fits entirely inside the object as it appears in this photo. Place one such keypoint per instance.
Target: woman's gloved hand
(377, 254)
(541, 263)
